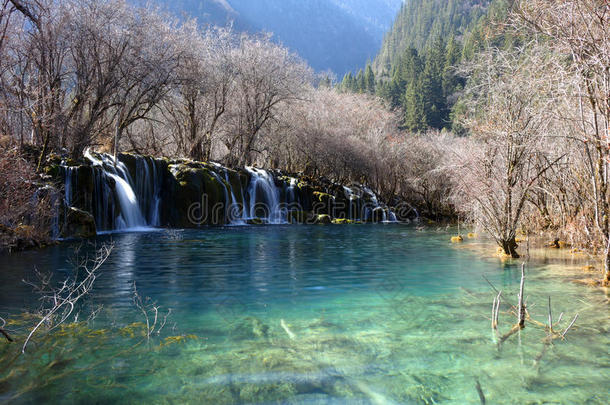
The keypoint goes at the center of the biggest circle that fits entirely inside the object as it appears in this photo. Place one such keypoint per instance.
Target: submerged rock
(79, 224)
(323, 219)
(250, 328)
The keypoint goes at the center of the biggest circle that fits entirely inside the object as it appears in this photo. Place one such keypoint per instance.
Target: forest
(500, 117)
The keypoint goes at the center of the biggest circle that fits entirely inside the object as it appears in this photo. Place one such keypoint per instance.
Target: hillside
(421, 21)
(336, 35)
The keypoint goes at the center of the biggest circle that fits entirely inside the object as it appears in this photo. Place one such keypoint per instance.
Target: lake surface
(365, 314)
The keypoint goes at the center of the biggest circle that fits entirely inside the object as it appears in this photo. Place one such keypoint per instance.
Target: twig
(550, 317)
(69, 293)
(521, 307)
(563, 335)
(480, 391)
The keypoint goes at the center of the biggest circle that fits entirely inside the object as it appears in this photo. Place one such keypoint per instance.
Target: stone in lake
(79, 224)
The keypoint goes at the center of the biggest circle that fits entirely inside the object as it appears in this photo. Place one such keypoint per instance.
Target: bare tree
(267, 75)
(205, 82)
(581, 29)
(509, 118)
(147, 70)
(43, 53)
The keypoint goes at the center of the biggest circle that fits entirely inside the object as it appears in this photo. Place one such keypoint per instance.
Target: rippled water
(370, 314)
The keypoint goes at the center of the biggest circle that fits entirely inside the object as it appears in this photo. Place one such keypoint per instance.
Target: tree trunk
(43, 152)
(510, 247)
(606, 280)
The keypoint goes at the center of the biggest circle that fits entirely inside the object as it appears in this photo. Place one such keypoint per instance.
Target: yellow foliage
(457, 239)
(471, 235)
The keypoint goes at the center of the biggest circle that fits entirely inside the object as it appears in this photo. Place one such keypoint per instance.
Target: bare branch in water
(61, 300)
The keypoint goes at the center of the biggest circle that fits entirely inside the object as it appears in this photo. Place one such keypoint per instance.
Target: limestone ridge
(141, 191)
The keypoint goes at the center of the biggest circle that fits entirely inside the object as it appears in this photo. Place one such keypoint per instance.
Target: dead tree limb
(480, 391)
(521, 305)
(63, 299)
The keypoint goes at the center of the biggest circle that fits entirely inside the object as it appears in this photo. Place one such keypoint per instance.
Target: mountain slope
(419, 22)
(336, 35)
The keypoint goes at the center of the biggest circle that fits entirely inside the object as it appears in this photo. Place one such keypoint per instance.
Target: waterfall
(264, 195)
(291, 193)
(148, 189)
(133, 191)
(349, 193)
(130, 215)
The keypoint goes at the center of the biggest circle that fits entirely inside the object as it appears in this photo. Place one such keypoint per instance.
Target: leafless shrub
(59, 301)
(508, 115)
(151, 312)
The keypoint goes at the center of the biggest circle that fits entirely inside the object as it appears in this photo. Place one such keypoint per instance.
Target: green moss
(322, 197)
(343, 221)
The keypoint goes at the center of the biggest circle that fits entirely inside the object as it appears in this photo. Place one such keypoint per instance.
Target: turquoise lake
(361, 314)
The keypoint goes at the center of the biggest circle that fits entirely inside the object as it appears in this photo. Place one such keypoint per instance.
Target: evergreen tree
(369, 79)
(360, 86)
(451, 82)
(415, 117)
(347, 83)
(435, 104)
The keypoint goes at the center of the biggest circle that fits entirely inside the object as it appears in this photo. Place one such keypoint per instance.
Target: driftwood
(480, 391)
(522, 315)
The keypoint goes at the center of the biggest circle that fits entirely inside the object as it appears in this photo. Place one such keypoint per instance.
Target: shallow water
(371, 314)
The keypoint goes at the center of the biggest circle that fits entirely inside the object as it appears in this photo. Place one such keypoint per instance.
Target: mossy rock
(322, 197)
(342, 221)
(199, 196)
(255, 221)
(131, 163)
(78, 224)
(323, 203)
(323, 219)
(52, 170)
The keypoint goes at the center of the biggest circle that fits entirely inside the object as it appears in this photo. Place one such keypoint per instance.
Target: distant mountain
(336, 35)
(377, 15)
(420, 22)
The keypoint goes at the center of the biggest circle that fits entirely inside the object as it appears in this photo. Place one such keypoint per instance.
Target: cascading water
(130, 215)
(148, 189)
(125, 199)
(264, 197)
